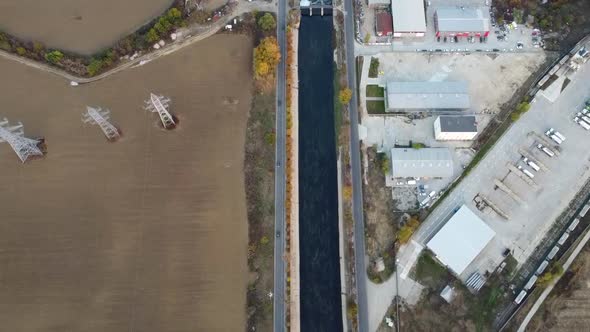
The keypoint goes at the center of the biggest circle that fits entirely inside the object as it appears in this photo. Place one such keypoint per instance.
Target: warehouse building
(409, 18)
(421, 163)
(419, 96)
(455, 128)
(461, 240)
(383, 24)
(461, 22)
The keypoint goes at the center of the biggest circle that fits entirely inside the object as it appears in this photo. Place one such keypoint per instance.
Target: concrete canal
(318, 230)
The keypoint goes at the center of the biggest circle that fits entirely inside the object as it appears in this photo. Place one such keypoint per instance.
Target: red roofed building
(383, 24)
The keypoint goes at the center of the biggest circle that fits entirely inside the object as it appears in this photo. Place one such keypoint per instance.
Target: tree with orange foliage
(266, 58)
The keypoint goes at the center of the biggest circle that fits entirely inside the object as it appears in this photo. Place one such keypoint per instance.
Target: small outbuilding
(383, 24)
(455, 128)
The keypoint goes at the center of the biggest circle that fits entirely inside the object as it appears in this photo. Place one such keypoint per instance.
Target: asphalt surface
(357, 189)
(280, 180)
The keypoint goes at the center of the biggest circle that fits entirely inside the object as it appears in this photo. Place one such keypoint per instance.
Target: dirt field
(568, 306)
(81, 26)
(145, 234)
(381, 223)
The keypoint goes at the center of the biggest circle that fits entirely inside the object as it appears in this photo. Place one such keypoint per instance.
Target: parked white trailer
(556, 139)
(546, 150)
(558, 134)
(531, 163)
(586, 119)
(582, 124)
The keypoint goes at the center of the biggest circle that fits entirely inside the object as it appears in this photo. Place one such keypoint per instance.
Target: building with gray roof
(461, 22)
(415, 96)
(423, 163)
(455, 128)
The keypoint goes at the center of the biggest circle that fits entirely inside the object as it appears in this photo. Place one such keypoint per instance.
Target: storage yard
(521, 206)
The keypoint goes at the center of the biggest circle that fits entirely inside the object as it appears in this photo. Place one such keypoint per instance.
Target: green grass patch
(482, 308)
(375, 91)
(418, 145)
(374, 68)
(376, 106)
(430, 273)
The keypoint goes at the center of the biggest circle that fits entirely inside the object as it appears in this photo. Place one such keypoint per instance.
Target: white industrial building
(421, 163)
(455, 128)
(409, 18)
(418, 96)
(461, 240)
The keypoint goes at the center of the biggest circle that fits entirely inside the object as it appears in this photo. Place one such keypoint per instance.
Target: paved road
(281, 124)
(355, 154)
(549, 288)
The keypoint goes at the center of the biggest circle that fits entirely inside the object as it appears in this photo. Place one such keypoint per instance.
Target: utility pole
(160, 105)
(14, 135)
(100, 117)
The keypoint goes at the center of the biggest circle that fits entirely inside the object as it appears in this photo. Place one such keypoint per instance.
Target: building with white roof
(461, 240)
(423, 163)
(409, 18)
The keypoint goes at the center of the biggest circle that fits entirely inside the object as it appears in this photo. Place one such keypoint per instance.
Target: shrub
(267, 22)
(152, 36)
(406, 232)
(383, 162)
(418, 146)
(54, 56)
(21, 51)
(374, 68)
(344, 96)
(95, 66)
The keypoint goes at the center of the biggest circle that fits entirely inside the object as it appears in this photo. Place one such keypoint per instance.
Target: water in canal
(318, 232)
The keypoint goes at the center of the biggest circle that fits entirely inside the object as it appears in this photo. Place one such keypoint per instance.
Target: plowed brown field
(145, 234)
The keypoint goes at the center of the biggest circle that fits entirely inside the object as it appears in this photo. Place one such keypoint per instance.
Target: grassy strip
(259, 178)
(375, 91)
(376, 106)
(337, 104)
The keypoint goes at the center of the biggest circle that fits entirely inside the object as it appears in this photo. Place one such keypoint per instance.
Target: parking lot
(521, 217)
